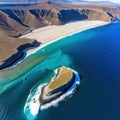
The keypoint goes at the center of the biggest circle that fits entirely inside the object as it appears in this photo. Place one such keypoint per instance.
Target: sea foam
(33, 106)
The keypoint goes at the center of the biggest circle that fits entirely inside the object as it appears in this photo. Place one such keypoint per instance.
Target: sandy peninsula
(49, 34)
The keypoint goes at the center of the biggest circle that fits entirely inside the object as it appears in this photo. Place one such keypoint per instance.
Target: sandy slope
(52, 33)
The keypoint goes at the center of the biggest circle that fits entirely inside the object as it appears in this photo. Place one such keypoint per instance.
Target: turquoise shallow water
(94, 53)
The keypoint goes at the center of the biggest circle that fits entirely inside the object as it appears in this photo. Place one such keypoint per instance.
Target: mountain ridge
(18, 19)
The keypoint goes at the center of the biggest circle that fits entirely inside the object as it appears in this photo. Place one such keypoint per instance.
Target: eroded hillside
(18, 19)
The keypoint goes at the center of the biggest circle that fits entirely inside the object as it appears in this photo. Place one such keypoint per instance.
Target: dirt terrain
(20, 19)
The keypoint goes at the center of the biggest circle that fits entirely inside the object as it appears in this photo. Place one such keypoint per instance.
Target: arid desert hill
(19, 19)
(16, 19)
(9, 45)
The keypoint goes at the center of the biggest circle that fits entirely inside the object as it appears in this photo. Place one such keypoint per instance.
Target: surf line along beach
(49, 34)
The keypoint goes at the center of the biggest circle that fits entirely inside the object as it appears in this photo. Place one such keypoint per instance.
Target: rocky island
(63, 81)
(63, 85)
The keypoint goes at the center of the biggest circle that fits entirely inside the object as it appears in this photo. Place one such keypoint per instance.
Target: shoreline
(61, 36)
(56, 33)
(19, 56)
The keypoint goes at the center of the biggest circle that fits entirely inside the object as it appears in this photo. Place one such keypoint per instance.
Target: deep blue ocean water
(95, 54)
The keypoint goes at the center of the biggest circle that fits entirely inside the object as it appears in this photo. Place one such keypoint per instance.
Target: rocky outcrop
(84, 14)
(71, 15)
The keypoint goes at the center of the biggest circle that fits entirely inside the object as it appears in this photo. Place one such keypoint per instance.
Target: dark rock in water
(25, 79)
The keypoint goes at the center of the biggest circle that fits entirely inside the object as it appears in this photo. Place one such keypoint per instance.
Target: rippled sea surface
(94, 53)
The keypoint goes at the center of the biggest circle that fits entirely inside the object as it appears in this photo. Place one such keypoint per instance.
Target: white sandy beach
(49, 34)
